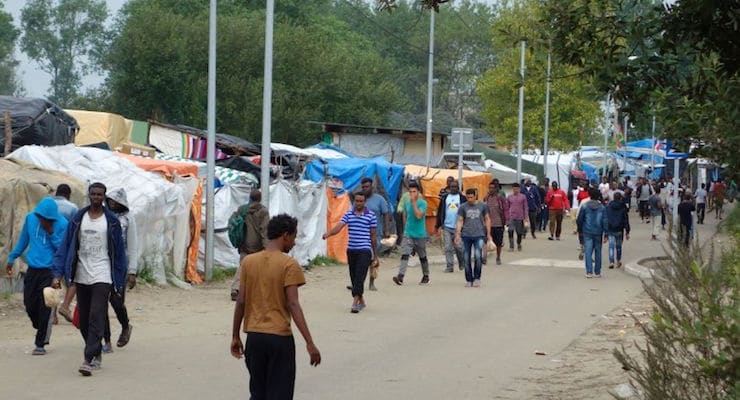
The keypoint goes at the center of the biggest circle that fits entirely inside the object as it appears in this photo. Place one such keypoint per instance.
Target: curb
(635, 269)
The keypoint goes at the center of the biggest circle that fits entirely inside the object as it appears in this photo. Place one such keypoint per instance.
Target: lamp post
(521, 114)
(430, 83)
(211, 142)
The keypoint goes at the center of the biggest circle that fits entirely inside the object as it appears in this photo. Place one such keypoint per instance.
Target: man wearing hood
(42, 235)
(592, 224)
(618, 228)
(117, 201)
(92, 255)
(255, 235)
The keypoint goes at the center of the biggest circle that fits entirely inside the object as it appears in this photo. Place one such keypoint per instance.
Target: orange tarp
(336, 246)
(434, 179)
(169, 169)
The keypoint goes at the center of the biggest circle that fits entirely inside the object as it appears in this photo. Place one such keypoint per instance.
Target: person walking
(40, 237)
(617, 229)
(592, 223)
(518, 210)
(498, 214)
(66, 208)
(557, 203)
(643, 193)
(534, 204)
(472, 231)
(449, 205)
(117, 201)
(719, 198)
(701, 203)
(414, 235)
(267, 301)
(379, 206)
(361, 224)
(685, 208)
(656, 207)
(255, 234)
(544, 210)
(93, 256)
(446, 189)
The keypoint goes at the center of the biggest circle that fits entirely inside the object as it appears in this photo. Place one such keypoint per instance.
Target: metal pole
(267, 106)
(430, 78)
(547, 116)
(521, 115)
(606, 130)
(211, 145)
(675, 193)
(626, 130)
(460, 159)
(652, 150)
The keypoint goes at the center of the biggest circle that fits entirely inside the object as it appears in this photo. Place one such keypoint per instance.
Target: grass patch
(222, 274)
(6, 296)
(323, 261)
(146, 275)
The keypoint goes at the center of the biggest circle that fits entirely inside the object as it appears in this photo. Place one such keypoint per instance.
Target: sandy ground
(441, 341)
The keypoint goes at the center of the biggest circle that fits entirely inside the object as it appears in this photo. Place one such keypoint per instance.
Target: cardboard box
(138, 150)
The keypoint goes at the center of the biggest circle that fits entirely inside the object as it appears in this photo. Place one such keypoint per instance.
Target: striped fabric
(359, 229)
(226, 175)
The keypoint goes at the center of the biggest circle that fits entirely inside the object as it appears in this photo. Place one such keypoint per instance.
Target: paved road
(441, 341)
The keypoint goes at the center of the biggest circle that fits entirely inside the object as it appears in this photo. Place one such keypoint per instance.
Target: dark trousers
(34, 282)
(644, 208)
(533, 222)
(359, 261)
(92, 303)
(119, 306)
(544, 218)
(270, 361)
(700, 210)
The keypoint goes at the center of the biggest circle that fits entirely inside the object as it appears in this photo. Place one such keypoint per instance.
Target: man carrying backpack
(253, 219)
(617, 228)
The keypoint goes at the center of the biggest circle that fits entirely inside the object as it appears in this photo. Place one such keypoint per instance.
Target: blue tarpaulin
(350, 171)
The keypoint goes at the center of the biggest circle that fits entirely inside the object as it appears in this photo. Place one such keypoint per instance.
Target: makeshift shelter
(188, 142)
(504, 174)
(225, 175)
(97, 127)
(226, 200)
(160, 208)
(433, 180)
(22, 186)
(36, 121)
(175, 172)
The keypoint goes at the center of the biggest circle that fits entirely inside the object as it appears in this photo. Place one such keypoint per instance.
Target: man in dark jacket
(92, 255)
(449, 204)
(618, 228)
(592, 224)
(255, 235)
(534, 203)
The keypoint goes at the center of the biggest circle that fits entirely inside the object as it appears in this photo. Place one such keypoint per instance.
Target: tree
(66, 38)
(8, 35)
(574, 109)
(679, 62)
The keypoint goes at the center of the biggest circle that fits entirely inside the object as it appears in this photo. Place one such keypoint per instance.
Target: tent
(225, 201)
(504, 174)
(97, 127)
(433, 180)
(36, 121)
(22, 186)
(161, 208)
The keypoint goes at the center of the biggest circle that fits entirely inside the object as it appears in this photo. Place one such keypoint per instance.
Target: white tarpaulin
(159, 207)
(504, 174)
(308, 202)
(225, 201)
(558, 166)
(372, 145)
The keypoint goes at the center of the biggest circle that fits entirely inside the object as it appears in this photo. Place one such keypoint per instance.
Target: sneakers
(107, 348)
(598, 275)
(97, 362)
(498, 261)
(449, 270)
(468, 284)
(519, 247)
(355, 308)
(476, 283)
(611, 266)
(619, 264)
(125, 336)
(38, 351)
(85, 369)
(589, 275)
(424, 280)
(550, 238)
(398, 279)
(557, 238)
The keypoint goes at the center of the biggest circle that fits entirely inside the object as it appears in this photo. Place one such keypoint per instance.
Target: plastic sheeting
(372, 145)
(36, 121)
(504, 174)
(160, 208)
(97, 127)
(336, 246)
(347, 173)
(308, 202)
(225, 201)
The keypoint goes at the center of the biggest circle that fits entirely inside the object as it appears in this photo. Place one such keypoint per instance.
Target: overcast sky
(34, 80)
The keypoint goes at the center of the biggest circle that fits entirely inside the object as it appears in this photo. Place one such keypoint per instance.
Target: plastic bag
(491, 246)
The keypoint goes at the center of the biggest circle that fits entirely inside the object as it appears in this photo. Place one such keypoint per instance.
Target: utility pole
(521, 114)
(547, 115)
(430, 83)
(267, 106)
(211, 144)
(606, 129)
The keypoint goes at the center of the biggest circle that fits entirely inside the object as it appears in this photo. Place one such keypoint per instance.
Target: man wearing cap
(42, 235)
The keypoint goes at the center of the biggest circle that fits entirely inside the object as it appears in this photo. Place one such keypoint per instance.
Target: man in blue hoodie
(592, 224)
(93, 257)
(42, 234)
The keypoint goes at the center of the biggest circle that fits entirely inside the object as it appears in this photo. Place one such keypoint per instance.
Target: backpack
(236, 226)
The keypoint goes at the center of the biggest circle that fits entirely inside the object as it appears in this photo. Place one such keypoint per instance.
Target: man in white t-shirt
(604, 189)
(92, 256)
(701, 203)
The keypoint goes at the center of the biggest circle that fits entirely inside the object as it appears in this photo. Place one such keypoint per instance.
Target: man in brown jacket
(255, 234)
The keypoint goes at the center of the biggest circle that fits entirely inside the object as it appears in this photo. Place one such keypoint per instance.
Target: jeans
(476, 243)
(92, 303)
(615, 243)
(544, 218)
(452, 250)
(593, 253)
(359, 262)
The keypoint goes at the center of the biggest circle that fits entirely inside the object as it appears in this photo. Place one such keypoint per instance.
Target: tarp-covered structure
(36, 121)
(22, 186)
(226, 200)
(160, 208)
(101, 127)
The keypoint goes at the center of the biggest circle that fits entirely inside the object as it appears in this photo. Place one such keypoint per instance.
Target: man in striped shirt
(362, 225)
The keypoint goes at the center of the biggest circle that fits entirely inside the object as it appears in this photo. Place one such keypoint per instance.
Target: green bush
(693, 340)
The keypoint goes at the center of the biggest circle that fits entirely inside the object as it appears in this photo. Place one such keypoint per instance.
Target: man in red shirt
(558, 204)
